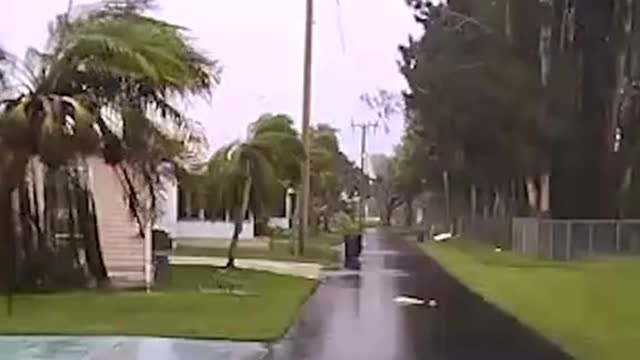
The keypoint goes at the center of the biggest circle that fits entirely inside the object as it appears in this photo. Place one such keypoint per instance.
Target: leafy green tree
(385, 171)
(324, 153)
(475, 100)
(583, 143)
(243, 177)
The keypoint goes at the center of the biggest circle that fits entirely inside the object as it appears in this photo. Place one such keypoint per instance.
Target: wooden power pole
(306, 120)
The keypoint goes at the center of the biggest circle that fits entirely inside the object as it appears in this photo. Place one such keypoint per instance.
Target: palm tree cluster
(105, 85)
(249, 178)
(243, 177)
(529, 106)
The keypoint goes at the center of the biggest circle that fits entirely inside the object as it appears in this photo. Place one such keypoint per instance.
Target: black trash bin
(352, 250)
(358, 245)
(162, 246)
(161, 267)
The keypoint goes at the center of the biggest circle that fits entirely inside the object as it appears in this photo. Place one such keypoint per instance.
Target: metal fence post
(618, 247)
(568, 249)
(552, 240)
(522, 237)
(590, 239)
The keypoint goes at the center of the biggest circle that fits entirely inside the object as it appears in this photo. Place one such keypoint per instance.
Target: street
(353, 315)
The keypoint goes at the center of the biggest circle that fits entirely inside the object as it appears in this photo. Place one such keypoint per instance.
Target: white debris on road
(406, 300)
(443, 237)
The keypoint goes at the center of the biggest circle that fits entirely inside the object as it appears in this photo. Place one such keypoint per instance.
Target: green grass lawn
(591, 309)
(319, 249)
(178, 309)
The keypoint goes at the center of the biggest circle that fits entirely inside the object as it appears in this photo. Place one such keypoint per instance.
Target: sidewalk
(305, 270)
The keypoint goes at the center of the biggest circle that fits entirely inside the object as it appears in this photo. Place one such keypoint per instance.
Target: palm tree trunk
(26, 231)
(71, 213)
(8, 246)
(238, 221)
(89, 228)
(9, 180)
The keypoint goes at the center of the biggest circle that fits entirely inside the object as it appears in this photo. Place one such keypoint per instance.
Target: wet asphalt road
(352, 316)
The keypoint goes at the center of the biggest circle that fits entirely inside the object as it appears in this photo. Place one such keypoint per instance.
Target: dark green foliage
(500, 102)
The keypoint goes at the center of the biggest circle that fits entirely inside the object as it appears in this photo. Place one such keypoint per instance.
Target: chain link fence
(566, 240)
(490, 231)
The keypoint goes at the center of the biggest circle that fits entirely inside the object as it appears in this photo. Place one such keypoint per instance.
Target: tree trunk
(37, 183)
(26, 230)
(473, 203)
(386, 216)
(325, 222)
(8, 246)
(89, 228)
(408, 213)
(532, 195)
(544, 194)
(9, 180)
(72, 223)
(238, 221)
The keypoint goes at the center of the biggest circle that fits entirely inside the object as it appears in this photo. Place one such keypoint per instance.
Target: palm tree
(244, 176)
(106, 68)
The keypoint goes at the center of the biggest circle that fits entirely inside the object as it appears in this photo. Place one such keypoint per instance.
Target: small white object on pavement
(443, 237)
(406, 300)
(432, 303)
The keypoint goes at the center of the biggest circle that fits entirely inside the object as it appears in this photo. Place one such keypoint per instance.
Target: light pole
(306, 120)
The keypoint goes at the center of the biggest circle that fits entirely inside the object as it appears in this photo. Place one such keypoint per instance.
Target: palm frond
(269, 123)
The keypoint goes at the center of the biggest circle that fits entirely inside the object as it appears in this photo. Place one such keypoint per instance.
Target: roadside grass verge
(318, 249)
(197, 302)
(591, 309)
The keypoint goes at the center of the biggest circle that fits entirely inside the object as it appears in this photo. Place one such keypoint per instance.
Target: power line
(340, 27)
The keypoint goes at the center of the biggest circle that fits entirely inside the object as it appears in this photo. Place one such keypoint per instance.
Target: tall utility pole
(306, 120)
(364, 128)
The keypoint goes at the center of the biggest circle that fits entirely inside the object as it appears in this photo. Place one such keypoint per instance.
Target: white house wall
(202, 230)
(279, 222)
(193, 229)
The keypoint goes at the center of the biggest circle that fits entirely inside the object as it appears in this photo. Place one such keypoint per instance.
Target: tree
(585, 149)
(243, 176)
(474, 100)
(324, 152)
(409, 180)
(384, 190)
(108, 67)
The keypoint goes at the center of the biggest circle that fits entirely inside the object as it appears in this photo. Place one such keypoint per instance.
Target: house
(187, 220)
(124, 241)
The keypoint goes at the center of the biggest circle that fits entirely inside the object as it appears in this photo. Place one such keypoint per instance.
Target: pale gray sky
(260, 44)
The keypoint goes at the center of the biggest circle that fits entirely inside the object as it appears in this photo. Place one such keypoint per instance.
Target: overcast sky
(260, 45)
